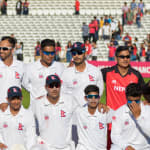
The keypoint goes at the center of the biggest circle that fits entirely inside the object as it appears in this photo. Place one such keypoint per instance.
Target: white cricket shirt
(19, 129)
(127, 131)
(92, 129)
(35, 77)
(10, 76)
(55, 121)
(74, 82)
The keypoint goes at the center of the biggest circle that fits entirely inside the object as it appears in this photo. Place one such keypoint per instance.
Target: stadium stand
(54, 19)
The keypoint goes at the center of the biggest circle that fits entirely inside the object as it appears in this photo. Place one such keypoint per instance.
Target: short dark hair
(146, 91)
(120, 49)
(47, 42)
(91, 88)
(133, 89)
(10, 39)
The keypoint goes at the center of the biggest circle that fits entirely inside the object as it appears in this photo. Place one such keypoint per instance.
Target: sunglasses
(123, 57)
(48, 53)
(74, 53)
(5, 48)
(137, 101)
(93, 96)
(52, 85)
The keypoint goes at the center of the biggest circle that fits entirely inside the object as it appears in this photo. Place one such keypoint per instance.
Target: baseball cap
(78, 46)
(52, 79)
(14, 91)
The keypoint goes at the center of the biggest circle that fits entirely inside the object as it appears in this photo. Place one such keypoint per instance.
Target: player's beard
(15, 109)
(79, 63)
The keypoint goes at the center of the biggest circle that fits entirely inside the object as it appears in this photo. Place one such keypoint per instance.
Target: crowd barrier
(142, 67)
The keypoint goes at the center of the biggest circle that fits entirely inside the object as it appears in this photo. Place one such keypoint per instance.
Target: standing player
(54, 114)
(76, 78)
(11, 71)
(146, 93)
(36, 73)
(118, 77)
(131, 123)
(92, 124)
(17, 125)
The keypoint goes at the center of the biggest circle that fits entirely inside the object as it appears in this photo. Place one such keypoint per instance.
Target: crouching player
(131, 123)
(92, 124)
(17, 125)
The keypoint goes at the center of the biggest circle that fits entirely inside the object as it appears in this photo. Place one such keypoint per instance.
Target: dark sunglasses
(48, 53)
(57, 85)
(77, 52)
(5, 48)
(92, 96)
(123, 57)
(130, 101)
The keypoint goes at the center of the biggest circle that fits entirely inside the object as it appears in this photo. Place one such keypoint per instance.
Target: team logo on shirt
(40, 76)
(5, 125)
(63, 113)
(46, 117)
(91, 78)
(85, 127)
(113, 117)
(114, 81)
(126, 123)
(75, 82)
(1, 75)
(101, 125)
(20, 126)
(17, 75)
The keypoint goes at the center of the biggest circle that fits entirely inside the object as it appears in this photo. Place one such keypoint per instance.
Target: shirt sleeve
(116, 131)
(100, 83)
(65, 88)
(104, 72)
(26, 79)
(109, 115)
(30, 131)
(144, 122)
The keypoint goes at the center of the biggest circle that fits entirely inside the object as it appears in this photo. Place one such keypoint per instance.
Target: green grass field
(26, 97)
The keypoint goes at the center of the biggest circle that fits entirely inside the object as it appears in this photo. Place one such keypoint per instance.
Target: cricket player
(131, 123)
(11, 71)
(17, 125)
(36, 73)
(54, 114)
(92, 124)
(76, 78)
(146, 93)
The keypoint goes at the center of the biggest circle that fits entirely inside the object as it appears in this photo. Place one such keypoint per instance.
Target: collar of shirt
(21, 112)
(40, 66)
(117, 71)
(12, 65)
(85, 70)
(47, 103)
(96, 114)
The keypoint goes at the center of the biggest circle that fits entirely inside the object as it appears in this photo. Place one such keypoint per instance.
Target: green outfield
(26, 97)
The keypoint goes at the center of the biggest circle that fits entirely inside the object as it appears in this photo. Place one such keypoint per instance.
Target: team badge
(91, 78)
(85, 127)
(20, 126)
(46, 117)
(63, 113)
(17, 75)
(101, 125)
(126, 123)
(5, 125)
(40, 76)
(113, 117)
(1, 75)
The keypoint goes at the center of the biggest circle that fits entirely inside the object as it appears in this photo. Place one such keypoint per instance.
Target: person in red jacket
(92, 30)
(77, 7)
